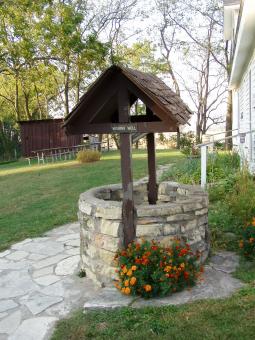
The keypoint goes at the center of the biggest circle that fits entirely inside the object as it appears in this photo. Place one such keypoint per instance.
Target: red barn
(45, 134)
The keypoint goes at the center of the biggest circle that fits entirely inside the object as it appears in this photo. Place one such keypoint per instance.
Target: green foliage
(247, 242)
(141, 55)
(88, 156)
(246, 271)
(187, 144)
(219, 166)
(9, 141)
(82, 273)
(232, 205)
(241, 201)
(149, 269)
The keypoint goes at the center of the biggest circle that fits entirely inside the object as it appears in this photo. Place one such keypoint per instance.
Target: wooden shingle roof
(161, 93)
(99, 105)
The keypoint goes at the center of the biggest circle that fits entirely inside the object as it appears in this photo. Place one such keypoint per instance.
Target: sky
(144, 27)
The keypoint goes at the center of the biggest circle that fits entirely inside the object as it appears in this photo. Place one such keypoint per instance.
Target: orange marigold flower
(133, 268)
(127, 291)
(130, 272)
(167, 269)
(253, 221)
(133, 281)
(147, 288)
(125, 270)
(126, 283)
(123, 290)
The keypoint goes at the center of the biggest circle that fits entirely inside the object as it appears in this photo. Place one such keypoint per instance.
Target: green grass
(37, 198)
(232, 318)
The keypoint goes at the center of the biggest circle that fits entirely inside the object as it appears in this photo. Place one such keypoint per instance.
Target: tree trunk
(100, 138)
(116, 140)
(178, 137)
(229, 143)
(66, 89)
(78, 84)
(108, 143)
(38, 102)
(17, 96)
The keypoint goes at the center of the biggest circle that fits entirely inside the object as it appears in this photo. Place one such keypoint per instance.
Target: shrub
(219, 167)
(231, 210)
(241, 200)
(149, 269)
(86, 156)
(247, 243)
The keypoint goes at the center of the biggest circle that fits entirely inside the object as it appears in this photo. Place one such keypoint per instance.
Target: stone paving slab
(39, 284)
(216, 284)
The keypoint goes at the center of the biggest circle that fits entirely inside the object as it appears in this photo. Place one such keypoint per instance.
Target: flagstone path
(39, 285)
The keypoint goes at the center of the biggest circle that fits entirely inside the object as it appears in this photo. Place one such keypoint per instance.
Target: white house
(239, 29)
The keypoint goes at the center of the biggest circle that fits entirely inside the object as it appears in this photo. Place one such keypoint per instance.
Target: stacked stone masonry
(181, 212)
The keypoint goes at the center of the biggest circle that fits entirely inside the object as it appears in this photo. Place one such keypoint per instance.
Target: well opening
(181, 212)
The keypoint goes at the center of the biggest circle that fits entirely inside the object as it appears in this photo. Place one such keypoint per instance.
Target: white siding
(246, 114)
(253, 108)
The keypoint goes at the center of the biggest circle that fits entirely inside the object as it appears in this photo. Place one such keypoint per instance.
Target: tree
(199, 35)
(168, 40)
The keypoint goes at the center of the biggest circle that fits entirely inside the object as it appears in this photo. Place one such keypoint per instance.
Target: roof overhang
(229, 7)
(245, 43)
(98, 109)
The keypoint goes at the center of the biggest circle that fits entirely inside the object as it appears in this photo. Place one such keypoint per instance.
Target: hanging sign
(124, 128)
(242, 138)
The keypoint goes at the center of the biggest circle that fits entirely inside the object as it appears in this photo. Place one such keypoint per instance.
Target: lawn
(37, 198)
(232, 318)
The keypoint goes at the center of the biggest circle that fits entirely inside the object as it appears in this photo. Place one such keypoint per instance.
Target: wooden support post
(152, 185)
(126, 170)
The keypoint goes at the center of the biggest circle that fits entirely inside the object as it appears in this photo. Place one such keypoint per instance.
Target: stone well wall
(181, 211)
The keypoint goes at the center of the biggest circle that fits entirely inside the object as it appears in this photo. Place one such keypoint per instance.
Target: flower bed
(247, 243)
(149, 269)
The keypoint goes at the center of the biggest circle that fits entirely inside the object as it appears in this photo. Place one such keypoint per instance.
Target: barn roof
(163, 102)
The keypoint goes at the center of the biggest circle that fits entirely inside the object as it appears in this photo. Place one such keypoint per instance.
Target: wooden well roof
(99, 105)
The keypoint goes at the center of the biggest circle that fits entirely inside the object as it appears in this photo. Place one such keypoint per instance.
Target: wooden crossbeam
(142, 127)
